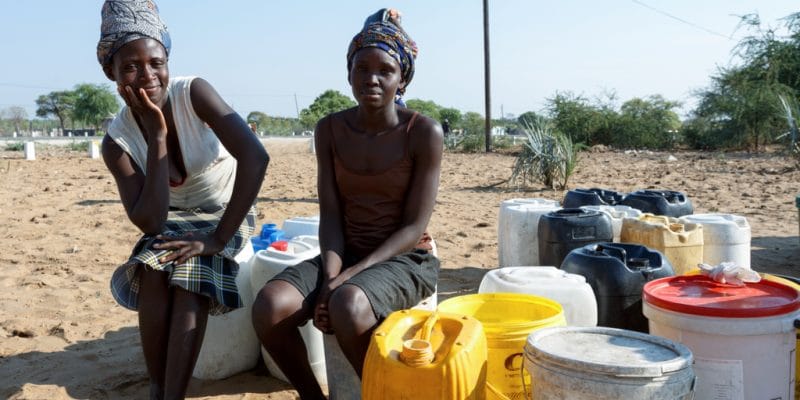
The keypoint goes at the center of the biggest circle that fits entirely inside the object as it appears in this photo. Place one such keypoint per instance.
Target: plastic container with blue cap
(269, 234)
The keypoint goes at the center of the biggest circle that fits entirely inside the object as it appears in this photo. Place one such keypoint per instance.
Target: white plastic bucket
(517, 230)
(301, 226)
(743, 338)
(268, 263)
(726, 237)
(599, 363)
(569, 290)
(617, 213)
(230, 344)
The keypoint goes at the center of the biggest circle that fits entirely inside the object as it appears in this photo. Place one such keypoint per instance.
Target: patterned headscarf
(124, 21)
(387, 35)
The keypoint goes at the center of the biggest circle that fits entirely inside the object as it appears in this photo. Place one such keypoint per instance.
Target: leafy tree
(528, 118)
(744, 109)
(425, 107)
(59, 104)
(452, 115)
(258, 118)
(648, 123)
(474, 137)
(17, 115)
(93, 103)
(328, 102)
(739, 108)
(269, 125)
(580, 120)
(473, 123)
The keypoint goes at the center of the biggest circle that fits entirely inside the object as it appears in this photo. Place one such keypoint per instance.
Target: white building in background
(498, 131)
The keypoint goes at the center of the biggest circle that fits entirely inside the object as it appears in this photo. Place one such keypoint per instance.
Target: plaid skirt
(212, 276)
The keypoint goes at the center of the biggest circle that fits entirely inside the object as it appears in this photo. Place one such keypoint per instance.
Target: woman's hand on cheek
(149, 115)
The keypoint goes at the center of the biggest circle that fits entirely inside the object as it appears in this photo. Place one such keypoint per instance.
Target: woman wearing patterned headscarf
(173, 151)
(378, 173)
(383, 30)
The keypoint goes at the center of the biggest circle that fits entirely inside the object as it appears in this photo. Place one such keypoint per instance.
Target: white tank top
(210, 169)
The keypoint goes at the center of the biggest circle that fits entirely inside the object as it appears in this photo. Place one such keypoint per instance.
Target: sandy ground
(62, 336)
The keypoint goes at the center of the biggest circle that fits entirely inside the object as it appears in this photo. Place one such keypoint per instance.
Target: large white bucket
(743, 338)
(268, 263)
(301, 226)
(617, 213)
(230, 344)
(579, 363)
(518, 230)
(569, 290)
(726, 237)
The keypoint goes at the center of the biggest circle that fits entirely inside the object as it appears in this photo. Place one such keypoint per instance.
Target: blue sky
(262, 54)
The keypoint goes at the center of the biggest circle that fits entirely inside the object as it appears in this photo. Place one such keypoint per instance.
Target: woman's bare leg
(353, 322)
(278, 311)
(155, 304)
(187, 328)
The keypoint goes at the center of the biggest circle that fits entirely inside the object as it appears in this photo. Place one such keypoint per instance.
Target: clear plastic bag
(730, 273)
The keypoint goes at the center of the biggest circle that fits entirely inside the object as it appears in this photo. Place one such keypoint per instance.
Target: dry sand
(62, 336)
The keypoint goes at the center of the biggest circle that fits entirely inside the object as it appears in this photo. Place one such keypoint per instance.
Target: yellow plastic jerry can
(418, 354)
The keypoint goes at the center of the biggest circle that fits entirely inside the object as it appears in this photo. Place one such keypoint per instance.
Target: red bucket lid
(700, 295)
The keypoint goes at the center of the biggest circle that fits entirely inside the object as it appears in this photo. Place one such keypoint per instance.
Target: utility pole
(296, 108)
(487, 89)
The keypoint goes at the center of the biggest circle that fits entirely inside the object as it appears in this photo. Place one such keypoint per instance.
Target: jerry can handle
(648, 217)
(612, 251)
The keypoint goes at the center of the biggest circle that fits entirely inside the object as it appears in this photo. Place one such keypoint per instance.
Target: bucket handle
(522, 380)
(502, 395)
(498, 393)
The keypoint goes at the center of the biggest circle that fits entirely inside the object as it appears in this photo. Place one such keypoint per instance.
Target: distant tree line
(746, 106)
(87, 105)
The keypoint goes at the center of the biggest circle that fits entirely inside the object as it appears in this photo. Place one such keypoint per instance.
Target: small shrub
(78, 146)
(548, 157)
(452, 142)
(15, 146)
(476, 142)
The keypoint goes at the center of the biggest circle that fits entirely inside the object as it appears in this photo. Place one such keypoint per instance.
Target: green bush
(15, 146)
(473, 143)
(78, 146)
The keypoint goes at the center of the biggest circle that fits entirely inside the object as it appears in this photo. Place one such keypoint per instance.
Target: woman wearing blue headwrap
(173, 151)
(378, 173)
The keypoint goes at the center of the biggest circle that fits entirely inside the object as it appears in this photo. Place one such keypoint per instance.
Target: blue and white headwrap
(391, 38)
(124, 21)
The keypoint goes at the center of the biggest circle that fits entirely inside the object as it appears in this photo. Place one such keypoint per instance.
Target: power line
(692, 24)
